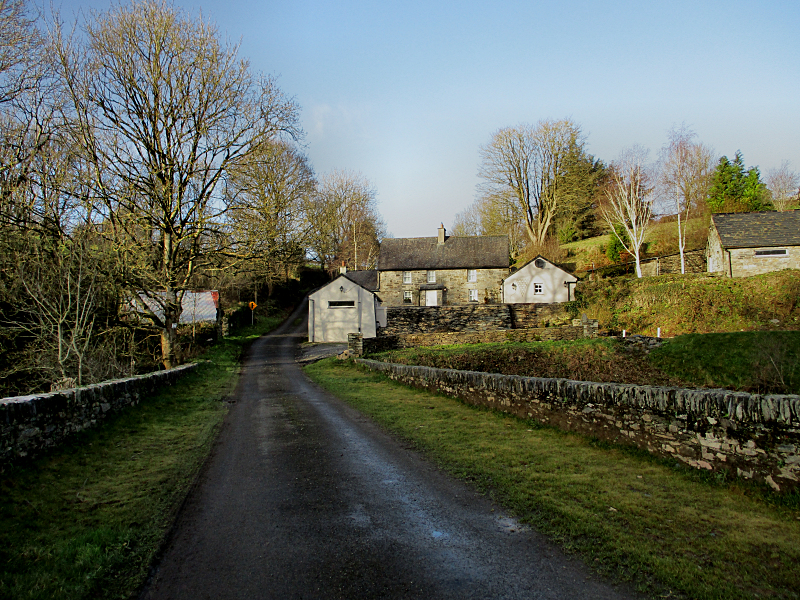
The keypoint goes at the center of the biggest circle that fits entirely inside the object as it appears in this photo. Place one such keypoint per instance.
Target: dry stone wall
(534, 334)
(750, 435)
(472, 317)
(32, 424)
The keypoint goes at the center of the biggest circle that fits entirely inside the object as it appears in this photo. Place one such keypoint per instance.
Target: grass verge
(764, 361)
(670, 531)
(755, 361)
(86, 520)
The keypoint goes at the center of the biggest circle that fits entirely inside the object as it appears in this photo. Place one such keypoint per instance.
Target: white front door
(430, 298)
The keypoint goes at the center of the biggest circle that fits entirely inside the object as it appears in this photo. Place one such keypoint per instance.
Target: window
(772, 252)
(341, 303)
(407, 297)
(538, 288)
(473, 295)
(431, 276)
(407, 277)
(472, 275)
(539, 263)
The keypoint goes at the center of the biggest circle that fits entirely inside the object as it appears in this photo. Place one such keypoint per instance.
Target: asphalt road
(304, 497)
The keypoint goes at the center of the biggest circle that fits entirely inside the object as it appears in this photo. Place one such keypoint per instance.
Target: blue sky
(405, 93)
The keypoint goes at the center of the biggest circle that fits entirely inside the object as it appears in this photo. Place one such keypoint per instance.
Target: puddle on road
(510, 525)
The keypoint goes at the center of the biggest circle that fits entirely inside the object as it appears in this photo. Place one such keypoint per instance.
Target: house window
(407, 277)
(407, 297)
(539, 263)
(341, 303)
(771, 252)
(473, 295)
(538, 288)
(431, 276)
(472, 275)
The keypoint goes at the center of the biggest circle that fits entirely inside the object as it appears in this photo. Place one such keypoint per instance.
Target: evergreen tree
(737, 189)
(619, 239)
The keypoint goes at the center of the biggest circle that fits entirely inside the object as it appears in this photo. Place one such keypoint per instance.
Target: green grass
(752, 360)
(680, 304)
(86, 520)
(758, 361)
(671, 531)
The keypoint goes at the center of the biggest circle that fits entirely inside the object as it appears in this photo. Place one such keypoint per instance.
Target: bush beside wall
(749, 435)
(32, 424)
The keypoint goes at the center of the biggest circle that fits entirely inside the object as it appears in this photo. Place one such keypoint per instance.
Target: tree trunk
(169, 346)
(170, 349)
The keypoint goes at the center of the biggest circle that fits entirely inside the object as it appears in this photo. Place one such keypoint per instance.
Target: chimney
(343, 268)
(441, 234)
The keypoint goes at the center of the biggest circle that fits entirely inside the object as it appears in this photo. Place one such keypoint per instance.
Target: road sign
(253, 305)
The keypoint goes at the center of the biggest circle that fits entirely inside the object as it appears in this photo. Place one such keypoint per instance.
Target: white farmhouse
(347, 304)
(539, 281)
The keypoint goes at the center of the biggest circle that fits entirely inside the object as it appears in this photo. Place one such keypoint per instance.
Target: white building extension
(539, 281)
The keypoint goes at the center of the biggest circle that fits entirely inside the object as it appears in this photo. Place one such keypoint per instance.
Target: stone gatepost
(355, 343)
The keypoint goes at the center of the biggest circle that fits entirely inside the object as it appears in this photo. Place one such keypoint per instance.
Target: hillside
(700, 303)
(662, 238)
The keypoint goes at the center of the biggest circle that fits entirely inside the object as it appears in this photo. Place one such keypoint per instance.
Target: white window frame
(473, 295)
(431, 276)
(538, 288)
(408, 294)
(407, 277)
(472, 275)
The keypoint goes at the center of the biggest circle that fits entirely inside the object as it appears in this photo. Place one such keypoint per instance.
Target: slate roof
(550, 262)
(475, 252)
(758, 229)
(366, 279)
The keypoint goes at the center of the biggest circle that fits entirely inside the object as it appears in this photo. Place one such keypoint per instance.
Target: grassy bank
(758, 361)
(86, 520)
(673, 532)
(681, 304)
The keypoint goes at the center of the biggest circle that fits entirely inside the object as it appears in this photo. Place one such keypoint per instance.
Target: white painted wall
(331, 323)
(520, 287)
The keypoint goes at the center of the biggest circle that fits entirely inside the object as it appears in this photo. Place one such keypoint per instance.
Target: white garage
(343, 306)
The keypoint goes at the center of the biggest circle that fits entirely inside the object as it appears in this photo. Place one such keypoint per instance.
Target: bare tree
(268, 195)
(345, 222)
(686, 169)
(493, 214)
(629, 200)
(163, 109)
(529, 163)
(60, 292)
(29, 105)
(784, 185)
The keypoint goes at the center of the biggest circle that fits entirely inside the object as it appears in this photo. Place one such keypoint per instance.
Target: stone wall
(750, 435)
(744, 262)
(694, 262)
(453, 281)
(32, 424)
(472, 317)
(416, 340)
